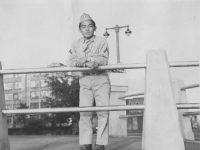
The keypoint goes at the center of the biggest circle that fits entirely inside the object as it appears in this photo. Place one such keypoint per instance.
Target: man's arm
(81, 62)
(101, 58)
(72, 58)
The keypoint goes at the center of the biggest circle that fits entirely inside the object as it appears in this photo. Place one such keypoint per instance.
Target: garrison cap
(85, 17)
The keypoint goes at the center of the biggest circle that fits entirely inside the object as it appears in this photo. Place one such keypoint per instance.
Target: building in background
(28, 88)
(135, 123)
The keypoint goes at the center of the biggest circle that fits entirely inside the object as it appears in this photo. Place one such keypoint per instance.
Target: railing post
(161, 130)
(4, 142)
(185, 123)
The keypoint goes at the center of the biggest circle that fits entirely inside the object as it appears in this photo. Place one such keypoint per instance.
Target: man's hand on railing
(81, 61)
(92, 65)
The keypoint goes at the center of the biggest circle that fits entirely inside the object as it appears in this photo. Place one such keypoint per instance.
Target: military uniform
(94, 85)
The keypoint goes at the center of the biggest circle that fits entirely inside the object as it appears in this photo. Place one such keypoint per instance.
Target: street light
(117, 28)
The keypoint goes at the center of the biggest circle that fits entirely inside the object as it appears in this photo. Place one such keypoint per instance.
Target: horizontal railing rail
(130, 116)
(107, 67)
(142, 93)
(91, 109)
(130, 95)
(191, 113)
(190, 86)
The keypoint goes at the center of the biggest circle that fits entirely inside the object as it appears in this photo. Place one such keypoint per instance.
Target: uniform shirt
(96, 49)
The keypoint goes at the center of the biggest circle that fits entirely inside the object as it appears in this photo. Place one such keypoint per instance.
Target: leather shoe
(99, 147)
(86, 147)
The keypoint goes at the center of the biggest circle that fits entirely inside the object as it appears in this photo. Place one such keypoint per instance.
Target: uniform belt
(93, 73)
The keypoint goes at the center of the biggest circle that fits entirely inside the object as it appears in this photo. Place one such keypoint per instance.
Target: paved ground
(70, 142)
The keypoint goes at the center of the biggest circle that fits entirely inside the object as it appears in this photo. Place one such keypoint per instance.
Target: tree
(34, 126)
(29, 125)
(65, 93)
(22, 118)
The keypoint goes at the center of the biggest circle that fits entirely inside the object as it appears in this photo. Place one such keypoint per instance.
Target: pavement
(70, 142)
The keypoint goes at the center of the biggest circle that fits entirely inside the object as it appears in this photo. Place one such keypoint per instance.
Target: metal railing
(108, 67)
(191, 113)
(3, 121)
(91, 109)
(142, 93)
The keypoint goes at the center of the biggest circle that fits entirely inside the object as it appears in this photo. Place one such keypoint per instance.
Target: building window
(43, 83)
(35, 95)
(15, 106)
(8, 76)
(45, 94)
(17, 75)
(17, 85)
(9, 106)
(35, 74)
(17, 96)
(43, 74)
(9, 120)
(8, 86)
(34, 105)
(35, 83)
(8, 97)
(34, 116)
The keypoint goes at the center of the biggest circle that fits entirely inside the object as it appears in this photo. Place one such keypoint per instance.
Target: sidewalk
(67, 143)
(70, 142)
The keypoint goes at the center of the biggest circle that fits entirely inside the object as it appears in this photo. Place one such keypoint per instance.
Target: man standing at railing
(91, 51)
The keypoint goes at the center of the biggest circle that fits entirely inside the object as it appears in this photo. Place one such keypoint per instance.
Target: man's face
(87, 29)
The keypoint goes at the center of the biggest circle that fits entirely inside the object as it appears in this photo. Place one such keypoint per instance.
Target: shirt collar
(90, 40)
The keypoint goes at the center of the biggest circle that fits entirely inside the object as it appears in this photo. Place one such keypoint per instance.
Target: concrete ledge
(118, 88)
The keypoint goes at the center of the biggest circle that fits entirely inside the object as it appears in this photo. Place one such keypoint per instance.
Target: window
(15, 106)
(9, 120)
(9, 106)
(34, 116)
(35, 83)
(8, 86)
(50, 75)
(8, 97)
(35, 74)
(43, 83)
(8, 76)
(43, 74)
(34, 105)
(35, 95)
(17, 85)
(17, 96)
(45, 93)
(17, 75)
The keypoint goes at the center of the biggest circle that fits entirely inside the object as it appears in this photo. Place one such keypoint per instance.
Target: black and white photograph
(99, 75)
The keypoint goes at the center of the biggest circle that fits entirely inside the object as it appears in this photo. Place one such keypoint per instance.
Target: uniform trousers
(94, 87)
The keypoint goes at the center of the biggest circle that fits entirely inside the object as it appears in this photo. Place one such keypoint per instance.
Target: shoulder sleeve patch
(70, 51)
(106, 50)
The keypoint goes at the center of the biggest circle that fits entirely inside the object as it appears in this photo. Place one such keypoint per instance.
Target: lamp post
(117, 28)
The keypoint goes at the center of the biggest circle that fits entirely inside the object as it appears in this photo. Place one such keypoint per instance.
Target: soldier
(91, 51)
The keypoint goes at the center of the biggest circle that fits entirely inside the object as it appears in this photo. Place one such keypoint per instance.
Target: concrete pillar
(4, 142)
(185, 123)
(117, 126)
(161, 130)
